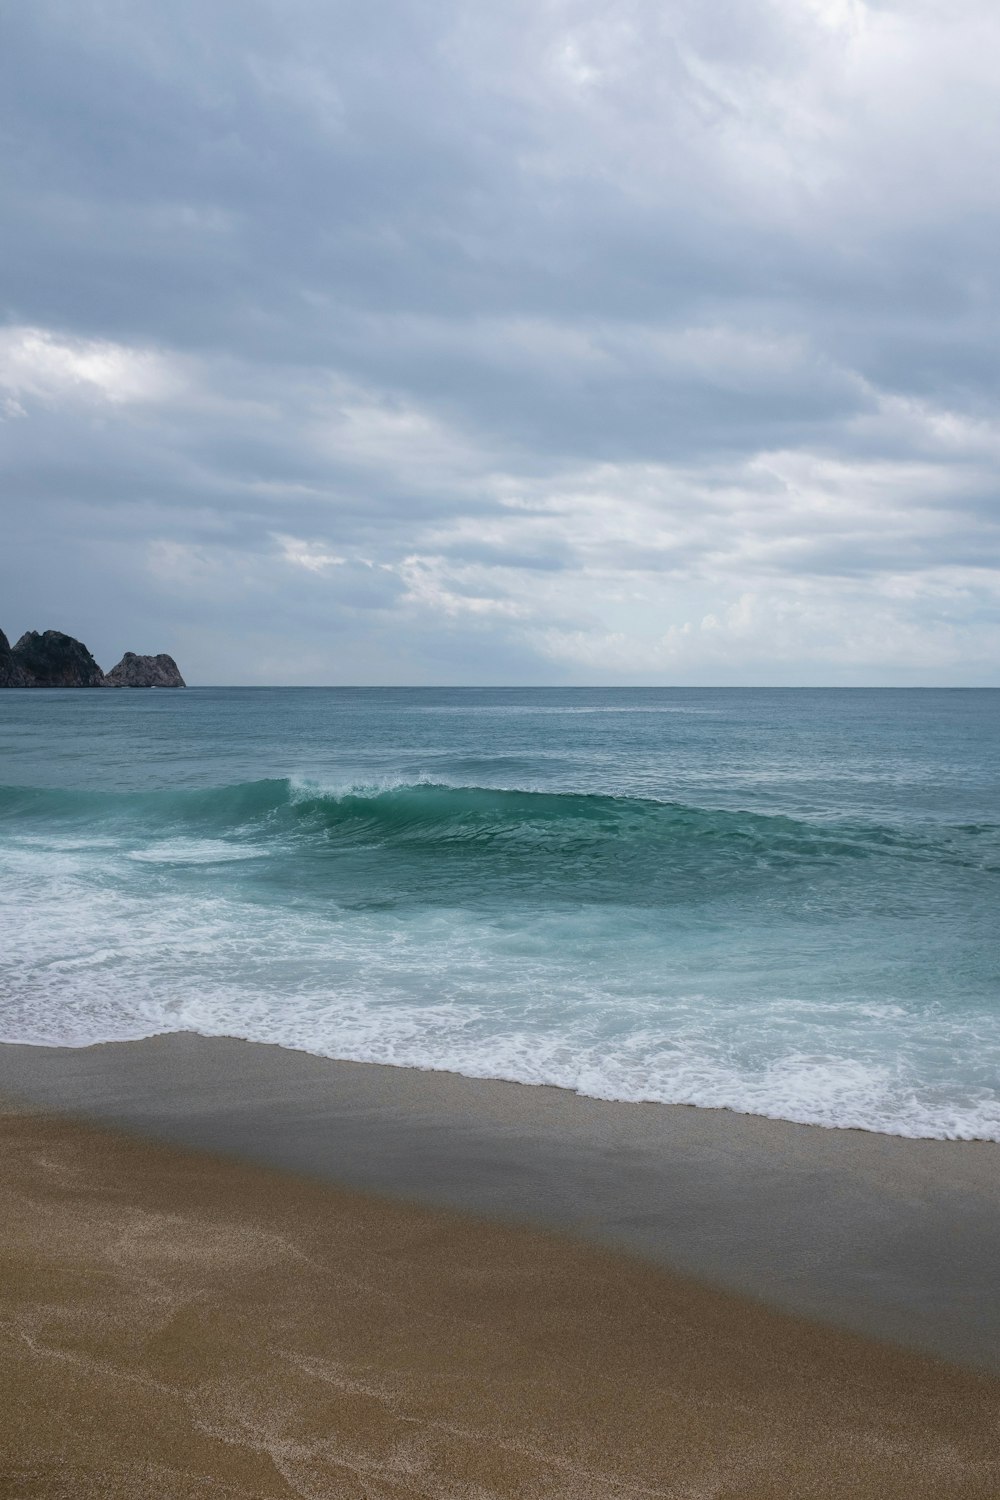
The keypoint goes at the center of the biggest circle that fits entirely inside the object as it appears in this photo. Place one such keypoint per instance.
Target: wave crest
(426, 812)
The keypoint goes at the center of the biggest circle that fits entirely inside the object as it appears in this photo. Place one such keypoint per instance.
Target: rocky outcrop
(51, 659)
(12, 674)
(145, 672)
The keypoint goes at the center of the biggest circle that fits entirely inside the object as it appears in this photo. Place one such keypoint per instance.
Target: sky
(547, 341)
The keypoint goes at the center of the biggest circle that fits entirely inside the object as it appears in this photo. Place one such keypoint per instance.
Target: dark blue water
(780, 901)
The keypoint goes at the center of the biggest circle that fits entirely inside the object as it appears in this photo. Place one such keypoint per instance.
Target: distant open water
(783, 902)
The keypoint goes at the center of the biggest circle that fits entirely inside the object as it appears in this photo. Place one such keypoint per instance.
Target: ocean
(776, 901)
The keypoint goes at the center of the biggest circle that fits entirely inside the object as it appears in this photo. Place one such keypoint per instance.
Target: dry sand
(179, 1325)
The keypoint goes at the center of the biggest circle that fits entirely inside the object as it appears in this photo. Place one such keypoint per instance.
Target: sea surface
(783, 902)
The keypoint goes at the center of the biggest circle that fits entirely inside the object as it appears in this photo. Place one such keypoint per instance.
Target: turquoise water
(778, 901)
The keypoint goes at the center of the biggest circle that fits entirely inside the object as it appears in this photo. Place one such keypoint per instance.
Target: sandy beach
(180, 1322)
(179, 1325)
(890, 1238)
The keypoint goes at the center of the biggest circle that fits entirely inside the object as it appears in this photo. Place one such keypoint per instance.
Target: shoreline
(505, 1080)
(184, 1325)
(889, 1237)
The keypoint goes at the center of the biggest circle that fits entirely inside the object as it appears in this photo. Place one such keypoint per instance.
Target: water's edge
(892, 1238)
(782, 905)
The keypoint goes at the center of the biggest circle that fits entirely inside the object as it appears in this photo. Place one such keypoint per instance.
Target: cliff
(52, 659)
(49, 659)
(12, 674)
(145, 672)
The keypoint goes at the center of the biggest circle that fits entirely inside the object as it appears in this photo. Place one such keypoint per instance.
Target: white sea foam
(187, 851)
(90, 956)
(579, 909)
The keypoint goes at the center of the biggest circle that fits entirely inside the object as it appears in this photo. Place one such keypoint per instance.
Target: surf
(743, 906)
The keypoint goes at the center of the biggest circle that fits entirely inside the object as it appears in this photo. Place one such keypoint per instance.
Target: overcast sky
(505, 340)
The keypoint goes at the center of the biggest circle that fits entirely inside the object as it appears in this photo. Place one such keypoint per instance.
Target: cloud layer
(548, 342)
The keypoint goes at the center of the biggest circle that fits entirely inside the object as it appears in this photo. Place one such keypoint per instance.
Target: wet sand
(890, 1238)
(177, 1324)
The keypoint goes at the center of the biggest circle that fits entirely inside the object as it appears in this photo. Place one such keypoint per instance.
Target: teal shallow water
(777, 901)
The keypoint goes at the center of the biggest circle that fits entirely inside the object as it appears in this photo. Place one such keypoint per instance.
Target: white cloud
(312, 556)
(388, 432)
(435, 586)
(629, 342)
(36, 362)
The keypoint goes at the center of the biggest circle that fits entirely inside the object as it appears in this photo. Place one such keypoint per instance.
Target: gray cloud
(540, 342)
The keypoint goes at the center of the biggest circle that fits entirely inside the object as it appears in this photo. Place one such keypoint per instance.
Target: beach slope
(180, 1325)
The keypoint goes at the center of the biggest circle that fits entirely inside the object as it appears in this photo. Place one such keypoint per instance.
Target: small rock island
(144, 671)
(42, 659)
